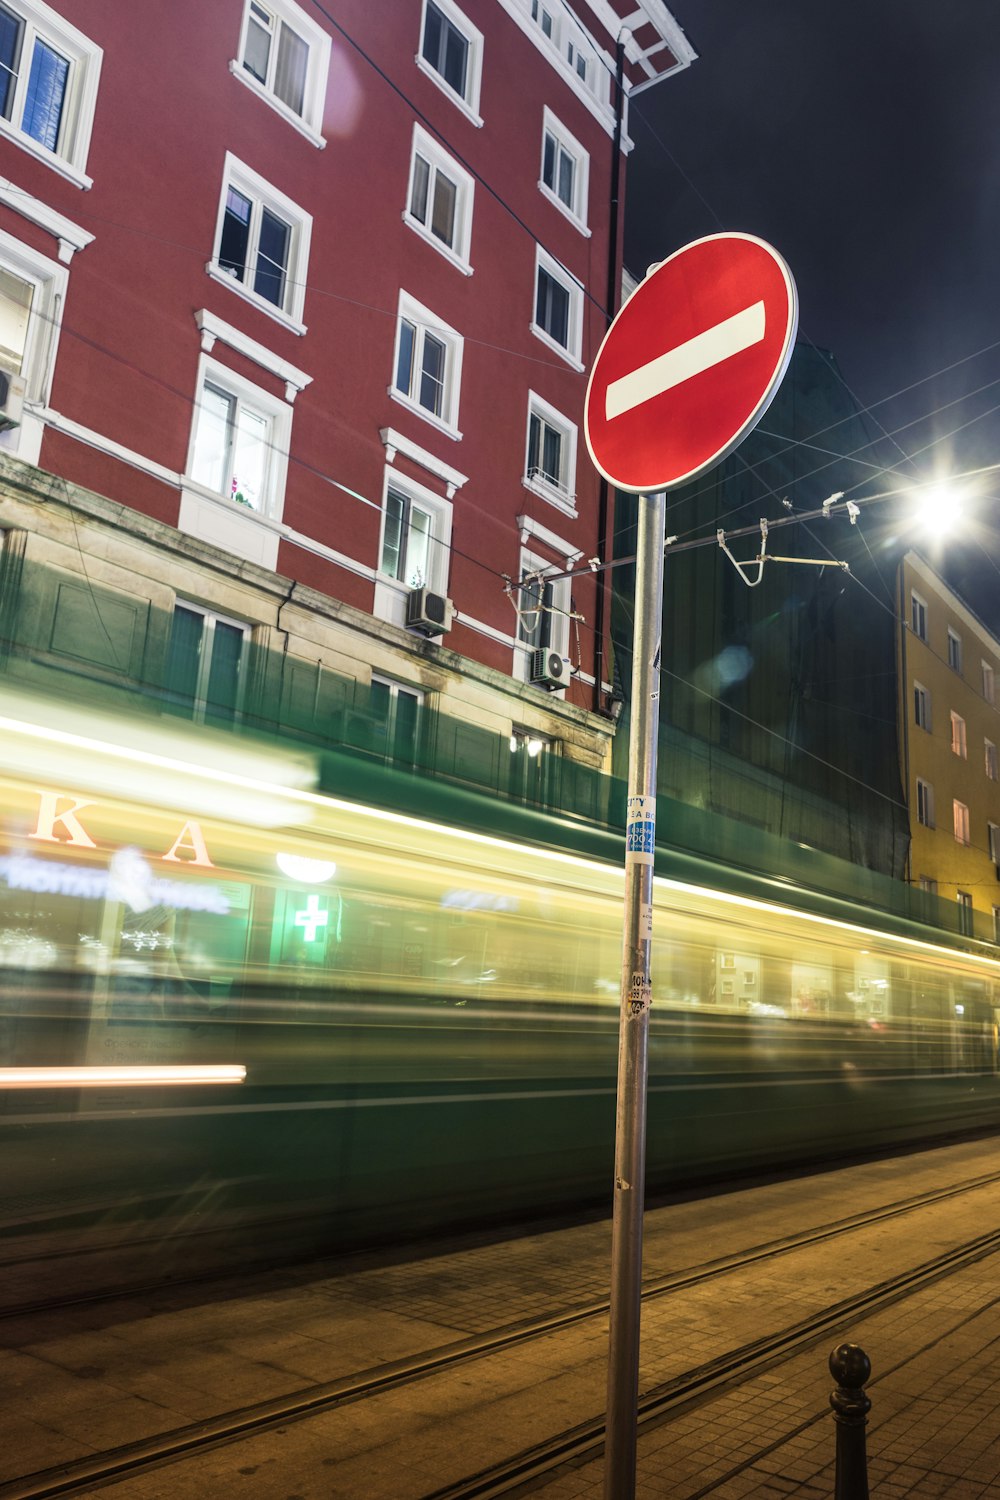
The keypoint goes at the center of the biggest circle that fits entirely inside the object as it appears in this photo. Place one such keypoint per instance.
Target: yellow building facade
(949, 733)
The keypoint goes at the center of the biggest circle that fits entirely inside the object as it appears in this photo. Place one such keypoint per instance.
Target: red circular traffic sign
(691, 362)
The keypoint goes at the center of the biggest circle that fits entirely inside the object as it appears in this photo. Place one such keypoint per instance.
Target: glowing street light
(938, 507)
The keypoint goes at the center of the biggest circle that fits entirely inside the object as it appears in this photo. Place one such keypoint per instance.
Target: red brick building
(308, 292)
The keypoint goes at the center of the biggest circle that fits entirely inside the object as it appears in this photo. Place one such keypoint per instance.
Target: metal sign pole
(636, 992)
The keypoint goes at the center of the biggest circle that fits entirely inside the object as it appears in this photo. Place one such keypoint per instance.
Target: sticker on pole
(640, 831)
(691, 362)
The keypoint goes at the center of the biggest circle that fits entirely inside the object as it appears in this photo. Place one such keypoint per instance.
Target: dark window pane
(549, 162)
(272, 258)
(432, 375)
(43, 105)
(290, 75)
(534, 441)
(258, 47)
(184, 655)
(552, 455)
(222, 692)
(392, 536)
(445, 48)
(418, 197)
(445, 198)
(433, 30)
(235, 240)
(405, 725)
(10, 57)
(404, 361)
(456, 54)
(565, 188)
(552, 308)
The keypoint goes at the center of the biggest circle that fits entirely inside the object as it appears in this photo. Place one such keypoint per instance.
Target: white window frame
(918, 615)
(396, 690)
(236, 174)
(965, 917)
(990, 759)
(570, 351)
(424, 321)
(928, 884)
(50, 280)
(959, 743)
(576, 211)
(468, 102)
(391, 593)
(921, 706)
(215, 517)
(438, 160)
(214, 617)
(310, 122)
(989, 682)
(960, 821)
(562, 494)
(954, 651)
(993, 841)
(530, 563)
(77, 122)
(925, 803)
(563, 36)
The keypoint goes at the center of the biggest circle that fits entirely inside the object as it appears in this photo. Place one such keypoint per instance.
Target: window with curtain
(231, 447)
(407, 538)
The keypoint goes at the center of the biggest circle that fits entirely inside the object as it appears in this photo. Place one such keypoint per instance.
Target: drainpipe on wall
(611, 304)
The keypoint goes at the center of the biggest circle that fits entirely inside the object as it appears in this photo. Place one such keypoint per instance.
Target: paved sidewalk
(82, 1379)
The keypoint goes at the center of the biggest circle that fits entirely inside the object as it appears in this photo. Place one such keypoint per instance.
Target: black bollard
(850, 1368)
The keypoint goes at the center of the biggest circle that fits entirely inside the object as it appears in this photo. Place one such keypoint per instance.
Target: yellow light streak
(109, 1077)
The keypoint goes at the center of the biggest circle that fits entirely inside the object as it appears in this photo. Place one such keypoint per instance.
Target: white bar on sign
(700, 353)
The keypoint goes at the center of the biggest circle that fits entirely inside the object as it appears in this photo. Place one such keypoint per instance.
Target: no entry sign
(691, 362)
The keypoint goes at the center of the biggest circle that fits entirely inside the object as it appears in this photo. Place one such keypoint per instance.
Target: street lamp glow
(938, 508)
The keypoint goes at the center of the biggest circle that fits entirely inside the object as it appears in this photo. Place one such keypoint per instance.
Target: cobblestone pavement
(82, 1379)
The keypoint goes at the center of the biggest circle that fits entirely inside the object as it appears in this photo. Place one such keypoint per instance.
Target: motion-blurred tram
(422, 1016)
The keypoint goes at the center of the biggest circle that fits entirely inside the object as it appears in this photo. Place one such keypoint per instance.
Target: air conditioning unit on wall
(430, 614)
(12, 390)
(548, 669)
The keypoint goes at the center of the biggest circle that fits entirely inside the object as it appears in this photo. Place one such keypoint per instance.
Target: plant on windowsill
(241, 499)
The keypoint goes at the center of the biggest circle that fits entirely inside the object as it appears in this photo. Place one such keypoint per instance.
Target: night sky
(863, 141)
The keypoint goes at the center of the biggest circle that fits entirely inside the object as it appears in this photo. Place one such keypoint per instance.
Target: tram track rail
(581, 1442)
(651, 1286)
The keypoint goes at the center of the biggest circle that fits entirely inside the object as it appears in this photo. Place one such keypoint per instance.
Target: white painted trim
(552, 125)
(951, 601)
(558, 273)
(236, 173)
(470, 104)
(71, 236)
(562, 499)
(600, 108)
(212, 328)
(279, 436)
(530, 529)
(77, 120)
(92, 439)
(425, 321)
(395, 442)
(57, 163)
(217, 274)
(456, 99)
(240, 73)
(318, 41)
(426, 146)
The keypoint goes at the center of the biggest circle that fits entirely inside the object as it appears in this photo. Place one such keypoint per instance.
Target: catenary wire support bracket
(764, 556)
